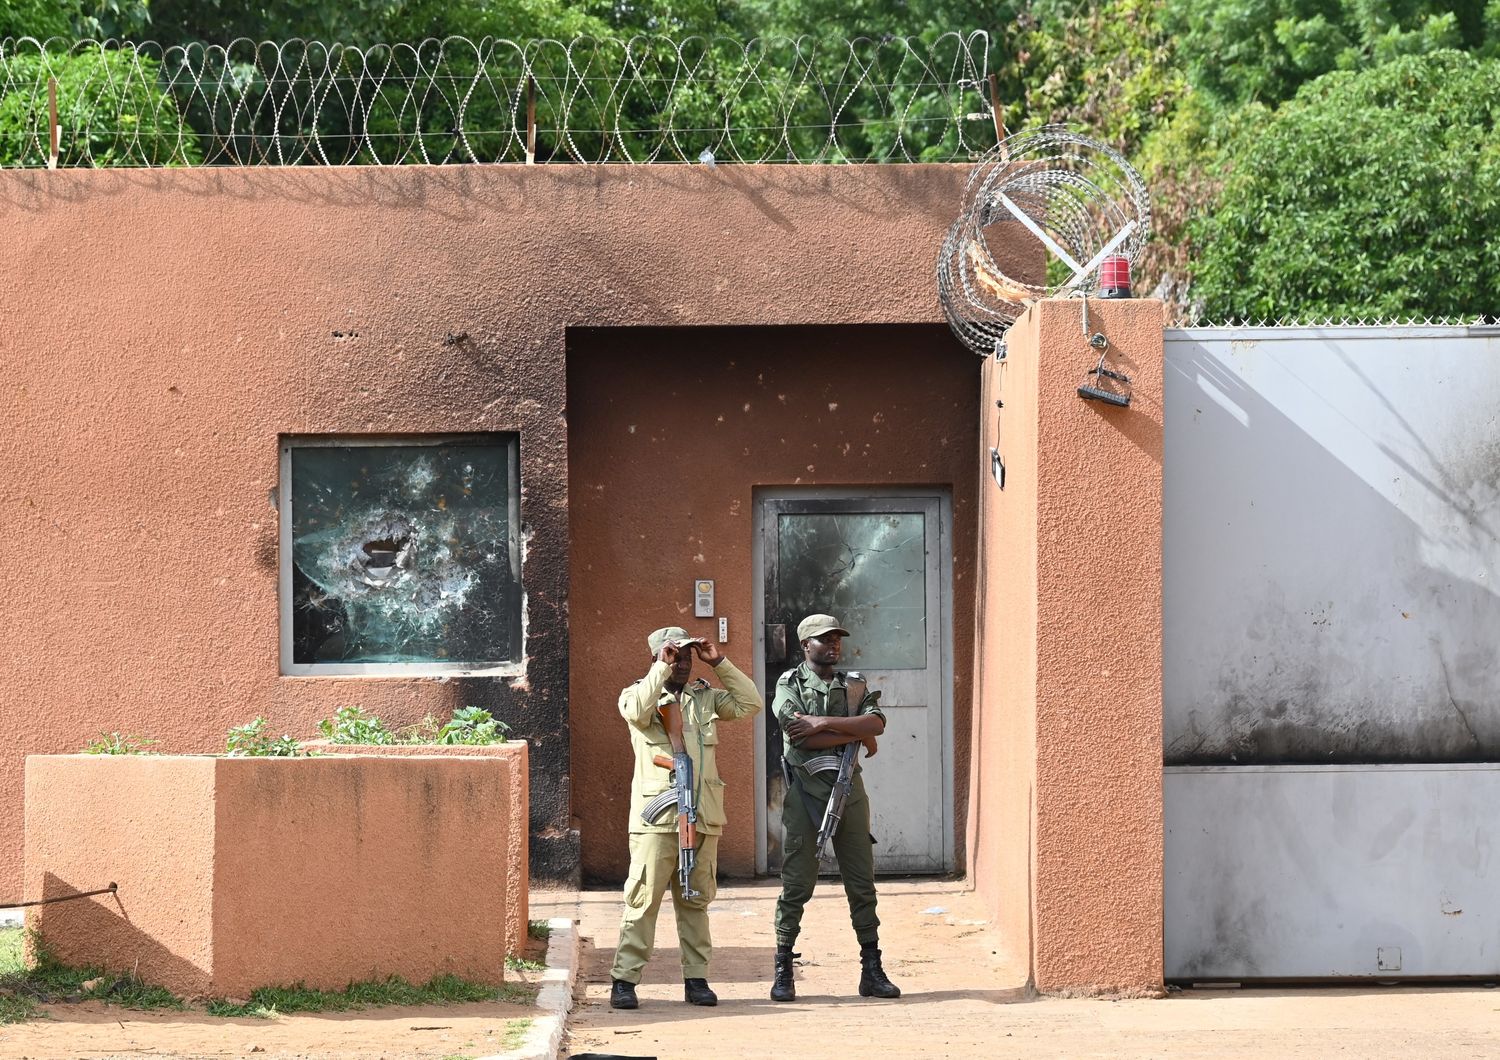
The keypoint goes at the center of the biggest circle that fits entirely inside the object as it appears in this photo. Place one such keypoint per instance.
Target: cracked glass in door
(868, 569)
(874, 564)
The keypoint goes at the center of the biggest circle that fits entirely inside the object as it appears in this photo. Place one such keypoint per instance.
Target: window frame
(511, 442)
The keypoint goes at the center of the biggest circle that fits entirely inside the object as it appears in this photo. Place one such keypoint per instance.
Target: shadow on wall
(1330, 538)
(464, 192)
(86, 933)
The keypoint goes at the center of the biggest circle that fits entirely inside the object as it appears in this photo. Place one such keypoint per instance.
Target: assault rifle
(680, 795)
(833, 813)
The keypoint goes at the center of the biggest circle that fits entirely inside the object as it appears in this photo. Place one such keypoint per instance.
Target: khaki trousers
(653, 869)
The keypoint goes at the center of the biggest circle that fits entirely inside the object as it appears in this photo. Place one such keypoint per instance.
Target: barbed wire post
(53, 140)
(530, 120)
(994, 80)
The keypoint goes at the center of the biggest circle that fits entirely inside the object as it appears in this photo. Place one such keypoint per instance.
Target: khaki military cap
(666, 633)
(817, 625)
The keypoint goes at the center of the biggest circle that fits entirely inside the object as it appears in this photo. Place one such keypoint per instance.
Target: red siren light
(1114, 277)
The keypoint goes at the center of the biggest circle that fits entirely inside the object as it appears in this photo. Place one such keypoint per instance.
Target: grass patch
(15, 1009)
(443, 990)
(515, 1031)
(517, 994)
(22, 988)
(12, 945)
(523, 964)
(539, 929)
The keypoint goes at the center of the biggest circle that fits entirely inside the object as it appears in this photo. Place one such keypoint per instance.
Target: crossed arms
(813, 732)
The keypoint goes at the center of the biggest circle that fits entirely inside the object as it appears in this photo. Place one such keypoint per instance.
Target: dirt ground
(964, 997)
(95, 1031)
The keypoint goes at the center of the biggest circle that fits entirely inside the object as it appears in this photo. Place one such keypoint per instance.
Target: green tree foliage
(367, 22)
(35, 18)
(1237, 51)
(111, 111)
(97, 19)
(1371, 193)
(1109, 67)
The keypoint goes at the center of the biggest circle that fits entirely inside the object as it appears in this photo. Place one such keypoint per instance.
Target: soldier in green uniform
(813, 709)
(654, 844)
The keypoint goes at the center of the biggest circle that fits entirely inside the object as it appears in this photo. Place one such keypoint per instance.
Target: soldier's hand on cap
(667, 653)
(870, 746)
(708, 652)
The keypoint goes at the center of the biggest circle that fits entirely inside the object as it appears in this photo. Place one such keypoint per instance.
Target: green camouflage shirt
(800, 691)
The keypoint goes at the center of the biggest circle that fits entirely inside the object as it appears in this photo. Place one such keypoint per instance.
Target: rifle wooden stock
(662, 760)
(671, 720)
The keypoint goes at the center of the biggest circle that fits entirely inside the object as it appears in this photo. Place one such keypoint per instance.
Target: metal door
(878, 565)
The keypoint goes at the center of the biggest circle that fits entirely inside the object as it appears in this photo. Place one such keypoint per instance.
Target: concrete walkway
(964, 996)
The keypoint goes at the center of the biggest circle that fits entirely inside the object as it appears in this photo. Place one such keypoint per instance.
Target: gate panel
(1296, 872)
(1331, 711)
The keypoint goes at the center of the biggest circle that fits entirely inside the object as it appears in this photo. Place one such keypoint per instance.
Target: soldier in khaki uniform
(654, 846)
(814, 708)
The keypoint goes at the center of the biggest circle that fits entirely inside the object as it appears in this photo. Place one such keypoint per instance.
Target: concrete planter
(236, 873)
(518, 850)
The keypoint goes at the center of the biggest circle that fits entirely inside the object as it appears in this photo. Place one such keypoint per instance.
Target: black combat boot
(785, 986)
(697, 992)
(872, 980)
(622, 995)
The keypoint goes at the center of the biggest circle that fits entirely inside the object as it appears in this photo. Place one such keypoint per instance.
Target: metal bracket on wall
(1099, 393)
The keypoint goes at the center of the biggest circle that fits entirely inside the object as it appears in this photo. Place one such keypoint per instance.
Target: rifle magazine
(653, 809)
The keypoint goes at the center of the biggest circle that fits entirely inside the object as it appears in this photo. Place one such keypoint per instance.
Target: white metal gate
(1331, 550)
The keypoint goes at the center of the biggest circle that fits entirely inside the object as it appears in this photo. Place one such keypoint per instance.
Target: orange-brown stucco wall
(672, 431)
(1002, 800)
(162, 330)
(237, 873)
(517, 832)
(1066, 844)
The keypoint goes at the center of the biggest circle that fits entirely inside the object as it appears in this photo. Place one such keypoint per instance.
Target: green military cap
(817, 625)
(666, 633)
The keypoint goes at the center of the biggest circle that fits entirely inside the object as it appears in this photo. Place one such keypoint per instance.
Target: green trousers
(653, 868)
(799, 865)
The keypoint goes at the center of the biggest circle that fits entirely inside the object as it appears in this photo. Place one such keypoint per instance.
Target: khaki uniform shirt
(702, 708)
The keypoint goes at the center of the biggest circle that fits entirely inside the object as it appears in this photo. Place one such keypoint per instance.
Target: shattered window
(867, 569)
(402, 554)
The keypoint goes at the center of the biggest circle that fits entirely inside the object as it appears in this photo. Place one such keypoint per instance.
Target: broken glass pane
(868, 570)
(404, 554)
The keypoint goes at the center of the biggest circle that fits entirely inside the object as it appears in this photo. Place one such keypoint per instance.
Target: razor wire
(1080, 200)
(1328, 323)
(456, 100)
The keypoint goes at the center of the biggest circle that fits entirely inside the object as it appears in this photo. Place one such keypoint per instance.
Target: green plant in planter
(251, 740)
(353, 725)
(424, 731)
(473, 725)
(117, 743)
